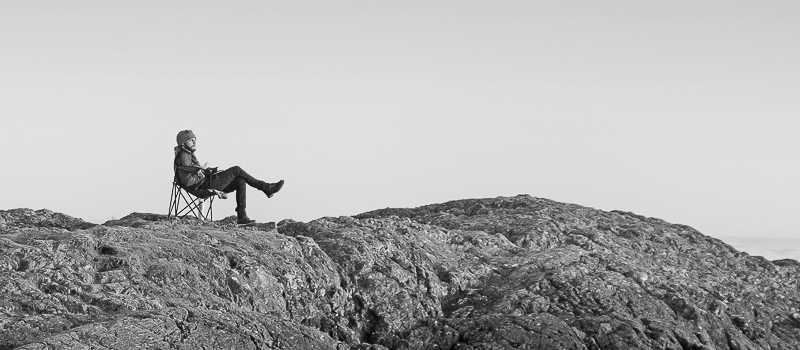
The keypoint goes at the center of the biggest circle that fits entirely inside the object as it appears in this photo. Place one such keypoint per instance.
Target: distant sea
(770, 248)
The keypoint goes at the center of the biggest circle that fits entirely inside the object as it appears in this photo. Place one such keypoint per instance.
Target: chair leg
(210, 212)
(187, 207)
(173, 202)
(191, 205)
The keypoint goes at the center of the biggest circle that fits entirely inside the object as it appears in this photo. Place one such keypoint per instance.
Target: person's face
(191, 144)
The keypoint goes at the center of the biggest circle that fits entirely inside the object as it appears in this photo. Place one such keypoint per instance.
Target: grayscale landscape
(376, 149)
(497, 273)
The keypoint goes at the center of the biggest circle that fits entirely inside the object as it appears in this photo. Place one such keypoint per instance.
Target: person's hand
(220, 194)
(201, 173)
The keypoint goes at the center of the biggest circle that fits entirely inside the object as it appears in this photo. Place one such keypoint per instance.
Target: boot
(241, 217)
(271, 189)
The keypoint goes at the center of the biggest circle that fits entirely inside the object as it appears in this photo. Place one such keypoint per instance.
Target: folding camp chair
(184, 202)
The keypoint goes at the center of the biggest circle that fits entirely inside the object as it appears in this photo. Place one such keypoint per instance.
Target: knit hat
(184, 136)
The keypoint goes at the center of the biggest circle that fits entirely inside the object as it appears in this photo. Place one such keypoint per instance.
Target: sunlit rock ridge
(499, 273)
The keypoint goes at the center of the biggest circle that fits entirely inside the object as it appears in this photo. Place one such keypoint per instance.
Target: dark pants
(234, 179)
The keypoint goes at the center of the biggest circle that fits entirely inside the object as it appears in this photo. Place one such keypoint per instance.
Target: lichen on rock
(506, 272)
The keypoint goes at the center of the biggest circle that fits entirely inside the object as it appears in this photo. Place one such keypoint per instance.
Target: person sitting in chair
(195, 177)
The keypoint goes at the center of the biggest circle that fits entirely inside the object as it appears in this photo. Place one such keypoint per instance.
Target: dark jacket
(186, 166)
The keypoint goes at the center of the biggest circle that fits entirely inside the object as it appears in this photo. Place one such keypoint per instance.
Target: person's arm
(189, 172)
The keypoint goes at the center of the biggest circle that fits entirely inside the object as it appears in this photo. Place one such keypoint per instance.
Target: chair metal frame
(192, 204)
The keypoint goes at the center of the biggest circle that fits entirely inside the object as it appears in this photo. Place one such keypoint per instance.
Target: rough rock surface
(499, 273)
(21, 218)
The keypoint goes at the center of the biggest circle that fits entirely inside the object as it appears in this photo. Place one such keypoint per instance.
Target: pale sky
(688, 111)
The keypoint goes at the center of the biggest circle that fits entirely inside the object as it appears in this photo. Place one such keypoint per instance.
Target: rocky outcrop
(497, 273)
(27, 218)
